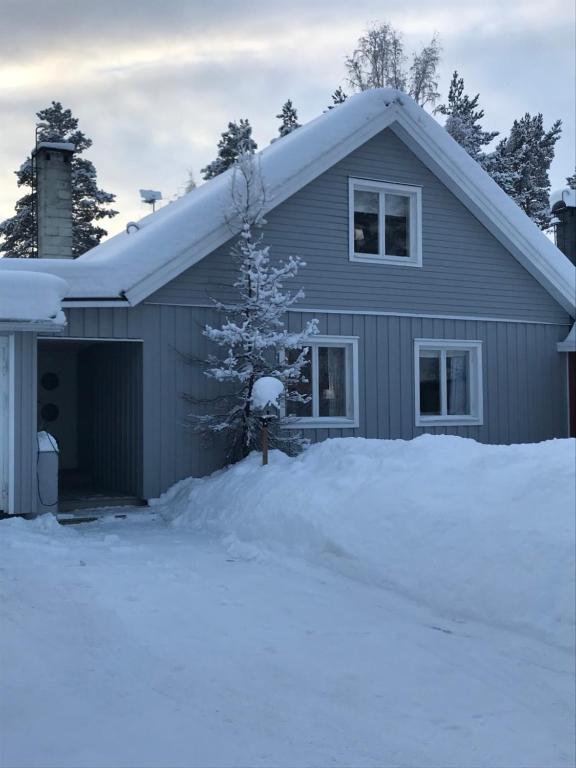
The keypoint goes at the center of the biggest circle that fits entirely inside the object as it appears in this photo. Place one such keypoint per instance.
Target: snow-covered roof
(31, 297)
(167, 242)
(65, 146)
(566, 196)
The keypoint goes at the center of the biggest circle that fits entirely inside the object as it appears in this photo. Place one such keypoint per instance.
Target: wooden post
(264, 442)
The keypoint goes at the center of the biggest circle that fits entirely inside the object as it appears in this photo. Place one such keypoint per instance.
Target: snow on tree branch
(252, 336)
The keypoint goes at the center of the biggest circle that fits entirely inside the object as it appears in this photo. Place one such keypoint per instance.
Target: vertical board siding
(524, 380)
(111, 377)
(25, 444)
(465, 270)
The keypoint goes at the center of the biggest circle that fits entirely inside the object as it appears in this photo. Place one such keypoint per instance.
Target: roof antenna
(150, 196)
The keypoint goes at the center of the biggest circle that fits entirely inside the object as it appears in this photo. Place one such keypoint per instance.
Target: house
(442, 308)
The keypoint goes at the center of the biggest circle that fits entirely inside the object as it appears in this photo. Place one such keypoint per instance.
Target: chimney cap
(62, 146)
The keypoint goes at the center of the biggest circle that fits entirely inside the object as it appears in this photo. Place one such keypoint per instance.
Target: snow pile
(32, 296)
(475, 531)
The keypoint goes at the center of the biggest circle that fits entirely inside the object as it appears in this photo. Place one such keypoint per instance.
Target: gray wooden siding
(524, 379)
(171, 451)
(25, 446)
(111, 382)
(465, 269)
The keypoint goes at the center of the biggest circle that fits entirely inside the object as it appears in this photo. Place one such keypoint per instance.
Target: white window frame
(352, 421)
(415, 197)
(476, 416)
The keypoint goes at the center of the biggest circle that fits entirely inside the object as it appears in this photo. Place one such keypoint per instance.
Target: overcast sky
(154, 82)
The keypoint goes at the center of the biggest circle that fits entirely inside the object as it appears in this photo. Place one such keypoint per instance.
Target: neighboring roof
(31, 297)
(182, 233)
(569, 343)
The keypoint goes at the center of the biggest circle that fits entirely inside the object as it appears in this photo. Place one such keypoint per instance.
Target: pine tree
(288, 119)
(338, 97)
(89, 203)
(379, 61)
(463, 120)
(252, 334)
(571, 180)
(520, 165)
(234, 142)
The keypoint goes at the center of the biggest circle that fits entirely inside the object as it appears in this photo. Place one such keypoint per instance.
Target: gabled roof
(179, 235)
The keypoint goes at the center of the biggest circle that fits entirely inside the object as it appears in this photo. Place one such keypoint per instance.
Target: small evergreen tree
(571, 180)
(288, 119)
(379, 61)
(338, 97)
(235, 141)
(520, 164)
(191, 183)
(253, 335)
(463, 120)
(89, 203)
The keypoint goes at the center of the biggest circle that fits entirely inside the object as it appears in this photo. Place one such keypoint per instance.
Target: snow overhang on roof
(135, 264)
(569, 343)
(31, 298)
(565, 196)
(63, 146)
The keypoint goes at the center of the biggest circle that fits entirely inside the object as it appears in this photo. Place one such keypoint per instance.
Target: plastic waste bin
(47, 471)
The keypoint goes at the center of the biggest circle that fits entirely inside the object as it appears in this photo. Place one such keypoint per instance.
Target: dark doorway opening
(90, 400)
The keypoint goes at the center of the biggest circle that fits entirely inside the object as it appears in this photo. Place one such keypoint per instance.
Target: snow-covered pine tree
(379, 61)
(234, 141)
(571, 180)
(252, 335)
(520, 165)
(288, 119)
(89, 203)
(338, 97)
(463, 120)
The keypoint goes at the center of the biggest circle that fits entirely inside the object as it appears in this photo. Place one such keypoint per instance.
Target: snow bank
(27, 296)
(475, 531)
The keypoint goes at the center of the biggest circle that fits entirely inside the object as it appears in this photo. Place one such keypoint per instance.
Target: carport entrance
(90, 400)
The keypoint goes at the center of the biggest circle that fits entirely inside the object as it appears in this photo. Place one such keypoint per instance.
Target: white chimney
(54, 190)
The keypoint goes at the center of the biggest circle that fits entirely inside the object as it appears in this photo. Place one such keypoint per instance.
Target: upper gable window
(385, 223)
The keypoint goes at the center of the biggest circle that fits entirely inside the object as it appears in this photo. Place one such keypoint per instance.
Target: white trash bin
(47, 473)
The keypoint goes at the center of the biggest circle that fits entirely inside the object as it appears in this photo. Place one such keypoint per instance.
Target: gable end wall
(466, 271)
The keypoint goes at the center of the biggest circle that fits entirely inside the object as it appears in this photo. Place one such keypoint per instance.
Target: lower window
(448, 379)
(331, 372)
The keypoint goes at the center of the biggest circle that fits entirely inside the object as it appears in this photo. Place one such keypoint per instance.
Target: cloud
(155, 83)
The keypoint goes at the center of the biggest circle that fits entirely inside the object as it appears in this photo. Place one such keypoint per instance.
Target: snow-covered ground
(312, 612)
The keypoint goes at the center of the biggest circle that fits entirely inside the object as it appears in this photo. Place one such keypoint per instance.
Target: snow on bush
(475, 531)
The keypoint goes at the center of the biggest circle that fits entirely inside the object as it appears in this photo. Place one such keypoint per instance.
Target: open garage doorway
(90, 400)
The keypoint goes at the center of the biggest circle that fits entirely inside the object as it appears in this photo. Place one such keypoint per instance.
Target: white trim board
(379, 313)
(475, 385)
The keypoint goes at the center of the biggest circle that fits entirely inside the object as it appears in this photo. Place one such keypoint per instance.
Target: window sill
(448, 421)
(325, 422)
(402, 261)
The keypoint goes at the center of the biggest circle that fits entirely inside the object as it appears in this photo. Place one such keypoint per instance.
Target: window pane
(430, 404)
(304, 388)
(332, 381)
(458, 382)
(366, 222)
(397, 213)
